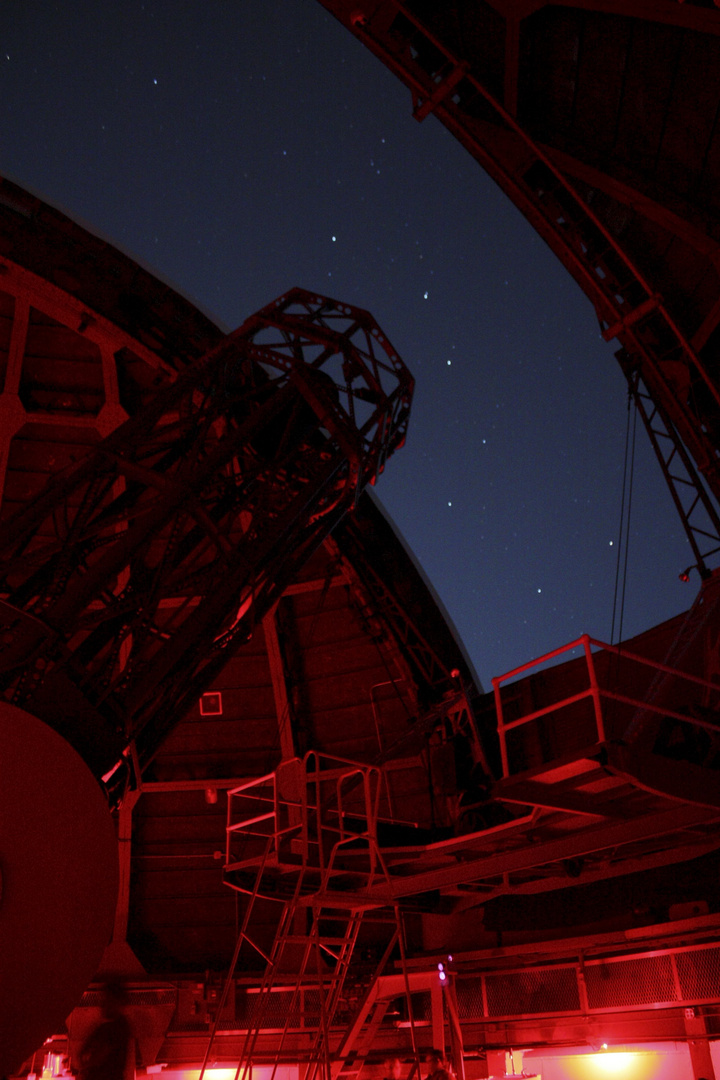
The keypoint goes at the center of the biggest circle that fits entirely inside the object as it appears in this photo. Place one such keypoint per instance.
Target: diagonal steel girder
(665, 822)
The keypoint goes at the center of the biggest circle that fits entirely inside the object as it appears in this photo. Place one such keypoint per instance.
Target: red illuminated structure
(601, 123)
(612, 154)
(135, 571)
(175, 606)
(332, 846)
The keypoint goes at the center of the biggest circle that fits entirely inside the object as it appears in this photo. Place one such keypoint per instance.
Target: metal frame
(579, 966)
(126, 581)
(598, 694)
(695, 508)
(538, 182)
(293, 826)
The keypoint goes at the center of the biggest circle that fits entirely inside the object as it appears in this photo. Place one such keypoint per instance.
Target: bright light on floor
(614, 1063)
(654, 1062)
(620, 1065)
(284, 1072)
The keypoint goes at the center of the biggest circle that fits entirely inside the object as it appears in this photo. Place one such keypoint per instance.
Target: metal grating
(699, 973)
(544, 990)
(469, 999)
(663, 979)
(276, 1009)
(643, 981)
(421, 1006)
(311, 1008)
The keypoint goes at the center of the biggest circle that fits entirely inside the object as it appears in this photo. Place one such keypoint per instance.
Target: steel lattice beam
(126, 582)
(420, 44)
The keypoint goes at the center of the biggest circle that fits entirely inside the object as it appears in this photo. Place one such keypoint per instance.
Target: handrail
(321, 812)
(595, 691)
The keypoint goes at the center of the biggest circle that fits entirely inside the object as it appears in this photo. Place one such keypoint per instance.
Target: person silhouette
(393, 1068)
(436, 1066)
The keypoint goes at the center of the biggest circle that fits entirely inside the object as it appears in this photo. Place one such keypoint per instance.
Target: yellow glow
(211, 1074)
(618, 1065)
(614, 1063)
(284, 1072)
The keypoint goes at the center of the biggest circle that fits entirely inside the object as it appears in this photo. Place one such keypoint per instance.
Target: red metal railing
(604, 683)
(320, 802)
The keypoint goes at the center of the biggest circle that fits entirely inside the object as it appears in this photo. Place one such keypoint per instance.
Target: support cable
(627, 525)
(622, 521)
(623, 544)
(624, 526)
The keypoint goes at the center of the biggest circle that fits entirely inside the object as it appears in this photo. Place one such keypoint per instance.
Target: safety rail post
(497, 680)
(341, 780)
(371, 812)
(340, 773)
(595, 688)
(598, 693)
(312, 778)
(232, 828)
(228, 820)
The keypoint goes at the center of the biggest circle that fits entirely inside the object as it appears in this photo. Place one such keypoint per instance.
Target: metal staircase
(305, 837)
(302, 842)
(350, 1065)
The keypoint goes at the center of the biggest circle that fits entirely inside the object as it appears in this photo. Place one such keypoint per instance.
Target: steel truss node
(128, 580)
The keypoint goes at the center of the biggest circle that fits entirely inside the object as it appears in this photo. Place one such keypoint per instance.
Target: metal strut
(694, 505)
(673, 370)
(319, 817)
(126, 581)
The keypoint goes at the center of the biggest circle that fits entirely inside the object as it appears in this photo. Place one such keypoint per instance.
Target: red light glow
(211, 703)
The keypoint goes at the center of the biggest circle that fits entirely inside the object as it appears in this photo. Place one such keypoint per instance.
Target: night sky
(240, 147)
